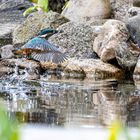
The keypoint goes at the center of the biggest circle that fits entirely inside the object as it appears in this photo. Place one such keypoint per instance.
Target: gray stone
(120, 8)
(6, 51)
(87, 10)
(11, 15)
(34, 23)
(76, 39)
(134, 28)
(133, 11)
(112, 43)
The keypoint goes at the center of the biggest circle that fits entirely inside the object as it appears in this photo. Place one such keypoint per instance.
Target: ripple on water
(72, 103)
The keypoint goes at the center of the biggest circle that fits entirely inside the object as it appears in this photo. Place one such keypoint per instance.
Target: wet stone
(23, 69)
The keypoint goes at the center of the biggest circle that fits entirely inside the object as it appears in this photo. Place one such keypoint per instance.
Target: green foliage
(30, 10)
(41, 4)
(114, 131)
(118, 132)
(66, 4)
(8, 128)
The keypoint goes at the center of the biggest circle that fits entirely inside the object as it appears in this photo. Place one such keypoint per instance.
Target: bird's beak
(44, 36)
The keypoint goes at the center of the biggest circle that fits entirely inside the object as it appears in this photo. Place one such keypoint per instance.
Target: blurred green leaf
(40, 4)
(66, 4)
(114, 131)
(8, 128)
(30, 10)
(43, 4)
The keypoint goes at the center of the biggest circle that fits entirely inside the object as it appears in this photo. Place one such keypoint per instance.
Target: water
(72, 103)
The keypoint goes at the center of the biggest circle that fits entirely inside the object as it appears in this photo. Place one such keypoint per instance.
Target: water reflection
(72, 103)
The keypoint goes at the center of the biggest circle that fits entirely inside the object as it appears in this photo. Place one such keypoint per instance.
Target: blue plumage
(41, 44)
(41, 50)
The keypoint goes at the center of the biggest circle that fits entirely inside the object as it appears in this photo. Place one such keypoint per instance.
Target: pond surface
(72, 103)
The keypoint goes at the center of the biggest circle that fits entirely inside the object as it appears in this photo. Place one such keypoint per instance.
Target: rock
(87, 10)
(84, 68)
(133, 11)
(57, 5)
(112, 43)
(97, 22)
(136, 3)
(134, 28)
(137, 68)
(91, 68)
(113, 33)
(120, 8)
(11, 15)
(76, 39)
(53, 20)
(6, 51)
(34, 23)
(48, 65)
(23, 69)
(5, 70)
(14, 5)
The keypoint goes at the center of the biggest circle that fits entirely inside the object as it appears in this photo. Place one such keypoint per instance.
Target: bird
(40, 49)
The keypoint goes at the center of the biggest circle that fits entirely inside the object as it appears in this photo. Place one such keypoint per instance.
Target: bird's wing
(55, 57)
(40, 44)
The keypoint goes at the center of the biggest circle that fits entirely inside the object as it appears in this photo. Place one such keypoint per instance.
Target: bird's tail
(54, 57)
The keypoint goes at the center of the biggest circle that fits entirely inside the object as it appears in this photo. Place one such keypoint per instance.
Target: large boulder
(76, 39)
(34, 23)
(112, 43)
(87, 10)
(11, 15)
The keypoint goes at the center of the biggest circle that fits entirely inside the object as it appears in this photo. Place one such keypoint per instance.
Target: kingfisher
(42, 50)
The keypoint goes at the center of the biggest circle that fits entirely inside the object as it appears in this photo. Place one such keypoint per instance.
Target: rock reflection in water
(69, 104)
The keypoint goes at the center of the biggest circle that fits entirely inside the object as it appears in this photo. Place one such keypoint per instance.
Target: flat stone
(92, 68)
(87, 68)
